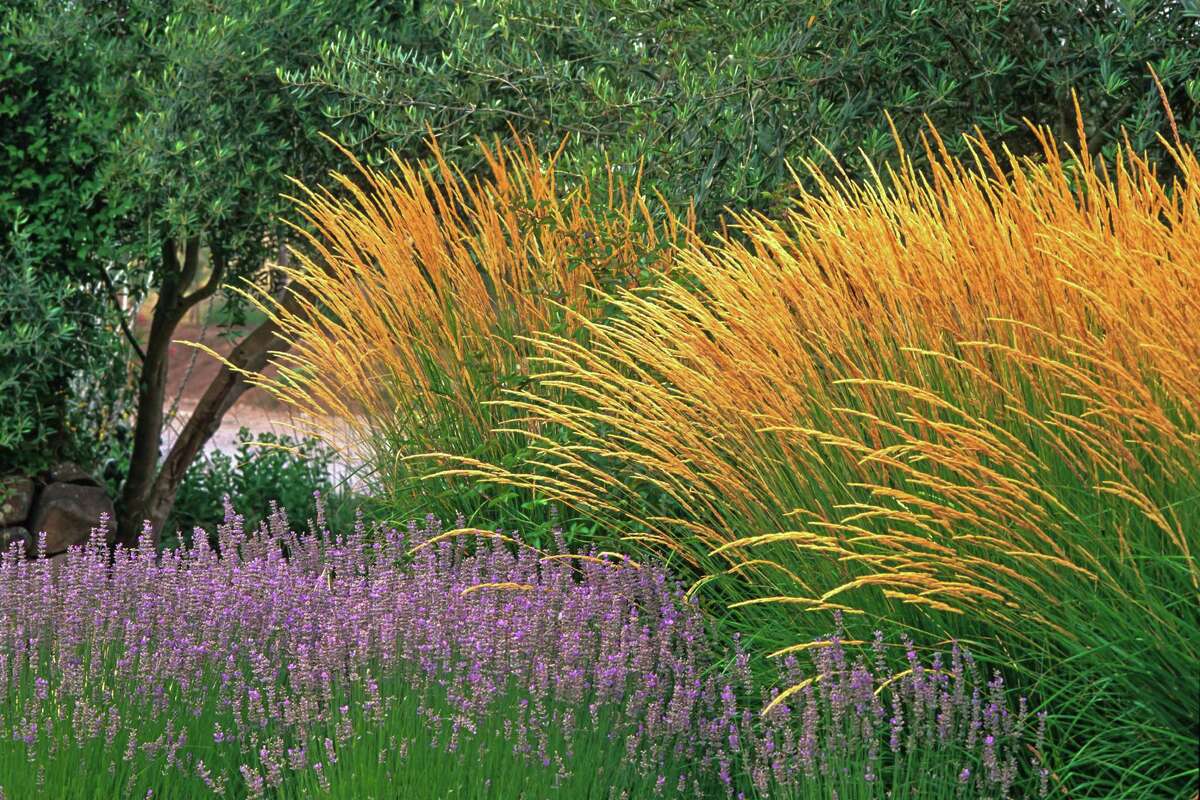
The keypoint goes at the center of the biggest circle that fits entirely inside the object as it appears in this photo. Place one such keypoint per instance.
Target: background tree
(63, 382)
(717, 97)
(179, 123)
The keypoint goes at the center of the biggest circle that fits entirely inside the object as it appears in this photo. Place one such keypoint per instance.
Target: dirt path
(190, 373)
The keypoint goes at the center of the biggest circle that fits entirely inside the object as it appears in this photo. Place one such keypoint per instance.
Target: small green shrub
(265, 468)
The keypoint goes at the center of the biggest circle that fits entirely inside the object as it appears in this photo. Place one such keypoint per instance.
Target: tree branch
(191, 263)
(170, 256)
(958, 48)
(112, 294)
(250, 356)
(220, 264)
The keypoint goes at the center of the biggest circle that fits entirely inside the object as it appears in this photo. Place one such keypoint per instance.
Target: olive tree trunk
(148, 495)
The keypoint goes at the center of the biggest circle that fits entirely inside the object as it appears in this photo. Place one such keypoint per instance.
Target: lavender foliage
(865, 729)
(424, 662)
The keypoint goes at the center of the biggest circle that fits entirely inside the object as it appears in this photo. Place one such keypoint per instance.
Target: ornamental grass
(963, 399)
(424, 284)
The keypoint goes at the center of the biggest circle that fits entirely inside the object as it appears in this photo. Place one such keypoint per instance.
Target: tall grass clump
(967, 400)
(426, 284)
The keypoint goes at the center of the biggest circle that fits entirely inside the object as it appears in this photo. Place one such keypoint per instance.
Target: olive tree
(716, 98)
(188, 139)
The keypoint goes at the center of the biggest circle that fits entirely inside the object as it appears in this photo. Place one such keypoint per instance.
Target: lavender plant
(434, 663)
(411, 663)
(855, 729)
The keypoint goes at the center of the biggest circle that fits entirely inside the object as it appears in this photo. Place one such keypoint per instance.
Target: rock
(67, 512)
(10, 537)
(69, 472)
(16, 496)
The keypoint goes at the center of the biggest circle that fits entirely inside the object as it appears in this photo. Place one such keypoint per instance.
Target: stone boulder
(16, 498)
(67, 512)
(10, 537)
(69, 472)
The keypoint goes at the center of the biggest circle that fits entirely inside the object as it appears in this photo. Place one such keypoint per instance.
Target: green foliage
(184, 126)
(64, 387)
(266, 468)
(62, 394)
(718, 97)
(38, 335)
(51, 147)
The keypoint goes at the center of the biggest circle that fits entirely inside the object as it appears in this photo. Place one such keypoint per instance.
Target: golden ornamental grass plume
(932, 348)
(967, 399)
(420, 283)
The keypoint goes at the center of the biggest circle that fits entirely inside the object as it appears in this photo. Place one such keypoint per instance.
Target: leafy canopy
(139, 131)
(191, 132)
(717, 97)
